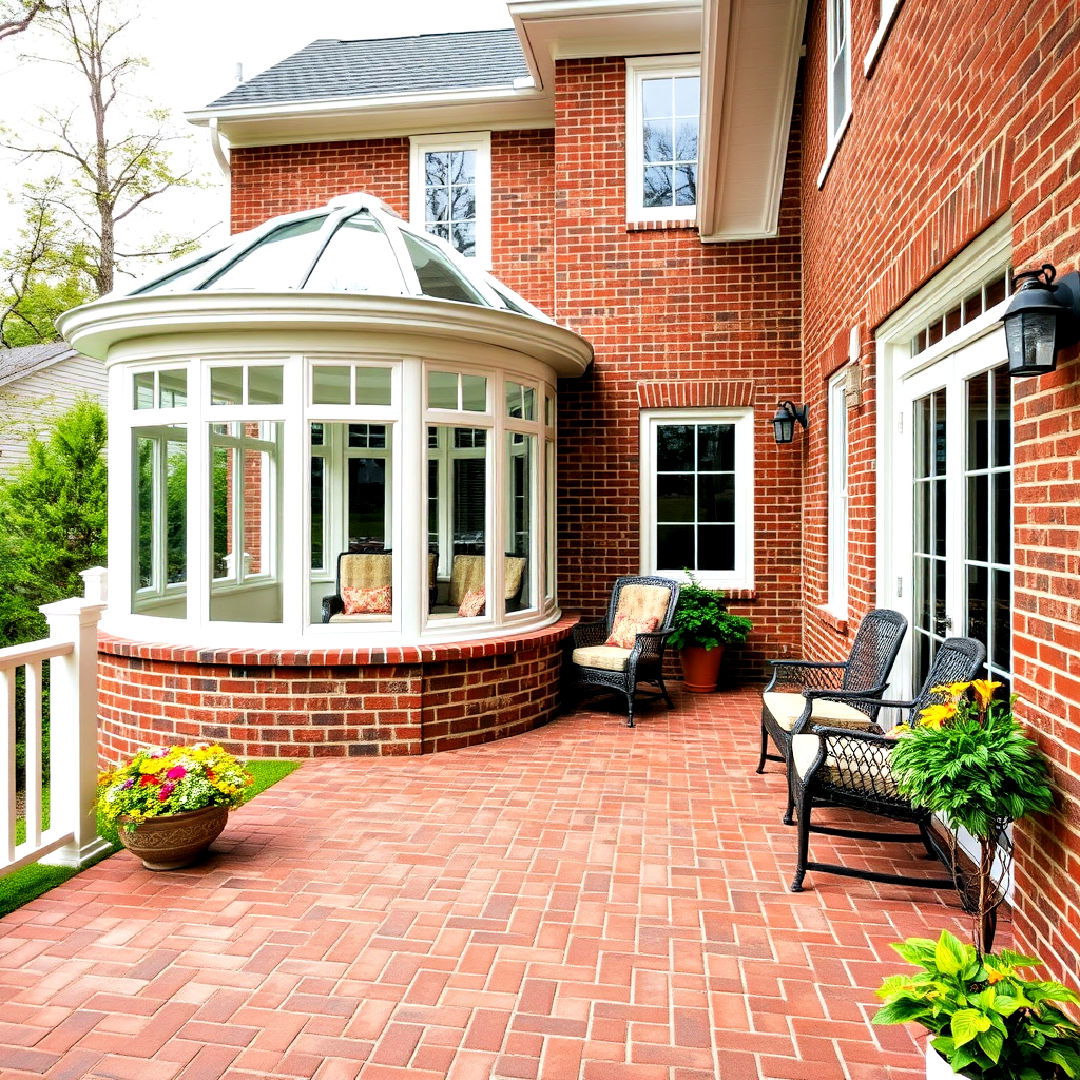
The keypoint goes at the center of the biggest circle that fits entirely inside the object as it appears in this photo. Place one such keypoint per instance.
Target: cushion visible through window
(359, 601)
(624, 628)
(472, 603)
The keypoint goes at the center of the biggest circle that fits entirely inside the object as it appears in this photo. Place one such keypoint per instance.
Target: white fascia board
(750, 63)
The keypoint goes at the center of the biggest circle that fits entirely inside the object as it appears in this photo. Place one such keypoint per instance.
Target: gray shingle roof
(15, 363)
(430, 62)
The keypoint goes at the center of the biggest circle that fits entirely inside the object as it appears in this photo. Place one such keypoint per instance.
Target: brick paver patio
(585, 901)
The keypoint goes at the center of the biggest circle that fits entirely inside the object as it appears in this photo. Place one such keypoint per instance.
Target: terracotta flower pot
(701, 668)
(173, 840)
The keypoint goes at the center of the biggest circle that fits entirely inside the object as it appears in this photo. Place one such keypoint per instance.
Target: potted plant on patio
(702, 626)
(170, 804)
(986, 1020)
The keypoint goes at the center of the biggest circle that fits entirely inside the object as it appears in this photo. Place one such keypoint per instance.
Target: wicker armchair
(620, 670)
(832, 766)
(367, 570)
(468, 573)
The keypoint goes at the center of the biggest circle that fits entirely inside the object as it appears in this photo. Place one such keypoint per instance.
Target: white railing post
(95, 584)
(74, 729)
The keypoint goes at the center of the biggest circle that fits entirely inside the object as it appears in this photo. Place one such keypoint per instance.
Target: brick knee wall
(354, 703)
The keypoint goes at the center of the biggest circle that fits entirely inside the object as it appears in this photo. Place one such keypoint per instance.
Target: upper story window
(450, 190)
(663, 95)
(839, 42)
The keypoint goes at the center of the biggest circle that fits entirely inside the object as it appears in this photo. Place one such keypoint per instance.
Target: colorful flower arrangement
(171, 780)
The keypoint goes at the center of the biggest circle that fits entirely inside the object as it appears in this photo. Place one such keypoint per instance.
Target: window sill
(834, 145)
(838, 624)
(650, 226)
(877, 42)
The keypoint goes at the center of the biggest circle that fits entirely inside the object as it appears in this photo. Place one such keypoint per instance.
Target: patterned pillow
(472, 603)
(624, 628)
(366, 601)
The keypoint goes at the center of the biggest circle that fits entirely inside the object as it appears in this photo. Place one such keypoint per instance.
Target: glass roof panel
(185, 279)
(277, 261)
(358, 258)
(438, 275)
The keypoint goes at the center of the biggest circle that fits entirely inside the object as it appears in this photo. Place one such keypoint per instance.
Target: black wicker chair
(791, 692)
(620, 670)
(840, 767)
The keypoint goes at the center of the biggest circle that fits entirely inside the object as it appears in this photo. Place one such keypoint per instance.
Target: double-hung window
(450, 191)
(839, 74)
(698, 494)
(663, 95)
(838, 497)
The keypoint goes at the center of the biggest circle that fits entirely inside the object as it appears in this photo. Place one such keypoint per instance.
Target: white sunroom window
(663, 103)
(697, 497)
(838, 498)
(450, 191)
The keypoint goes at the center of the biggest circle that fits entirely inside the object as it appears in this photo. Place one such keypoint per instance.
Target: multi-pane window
(839, 29)
(698, 504)
(663, 106)
(451, 191)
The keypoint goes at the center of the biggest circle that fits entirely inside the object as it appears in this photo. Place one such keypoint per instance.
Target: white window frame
(836, 123)
(639, 68)
(480, 141)
(742, 575)
(837, 600)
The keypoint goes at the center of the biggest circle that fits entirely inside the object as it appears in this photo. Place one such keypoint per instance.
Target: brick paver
(584, 902)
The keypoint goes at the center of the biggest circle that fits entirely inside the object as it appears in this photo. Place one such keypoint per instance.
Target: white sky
(193, 49)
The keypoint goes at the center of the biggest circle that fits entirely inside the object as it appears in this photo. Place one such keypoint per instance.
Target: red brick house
(734, 206)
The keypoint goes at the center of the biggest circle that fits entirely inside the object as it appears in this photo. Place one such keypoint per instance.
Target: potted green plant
(969, 762)
(986, 1020)
(701, 627)
(170, 804)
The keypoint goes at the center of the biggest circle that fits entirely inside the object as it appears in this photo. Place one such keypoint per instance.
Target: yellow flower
(994, 976)
(984, 691)
(153, 765)
(954, 689)
(934, 716)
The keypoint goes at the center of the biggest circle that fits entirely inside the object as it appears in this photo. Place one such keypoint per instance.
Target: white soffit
(750, 61)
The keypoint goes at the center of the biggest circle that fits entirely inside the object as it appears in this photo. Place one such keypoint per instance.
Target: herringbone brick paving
(584, 902)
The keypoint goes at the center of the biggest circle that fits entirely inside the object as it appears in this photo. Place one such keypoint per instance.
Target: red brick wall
(964, 116)
(364, 704)
(667, 316)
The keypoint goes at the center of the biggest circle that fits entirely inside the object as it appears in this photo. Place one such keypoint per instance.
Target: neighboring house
(735, 205)
(37, 383)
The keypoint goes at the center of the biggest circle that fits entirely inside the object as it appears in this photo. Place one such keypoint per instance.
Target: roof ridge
(414, 37)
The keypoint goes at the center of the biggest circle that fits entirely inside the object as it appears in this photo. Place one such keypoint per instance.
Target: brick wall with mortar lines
(658, 306)
(963, 118)
(326, 711)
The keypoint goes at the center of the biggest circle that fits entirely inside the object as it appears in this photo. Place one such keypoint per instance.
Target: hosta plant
(986, 1020)
(968, 761)
(702, 618)
(171, 781)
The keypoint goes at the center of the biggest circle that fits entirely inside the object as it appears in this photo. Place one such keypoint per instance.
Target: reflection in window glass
(450, 197)
(172, 388)
(318, 511)
(520, 401)
(160, 526)
(438, 276)
(442, 390)
(227, 386)
(358, 258)
(520, 475)
(245, 514)
(280, 260)
(264, 385)
(473, 393)
(373, 386)
(331, 384)
(670, 108)
(144, 390)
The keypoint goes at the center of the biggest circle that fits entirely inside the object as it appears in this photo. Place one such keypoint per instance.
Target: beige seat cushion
(869, 775)
(360, 618)
(643, 602)
(602, 656)
(366, 571)
(787, 708)
(467, 575)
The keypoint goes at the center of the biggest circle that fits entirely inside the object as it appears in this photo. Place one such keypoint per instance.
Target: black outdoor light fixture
(783, 423)
(1042, 317)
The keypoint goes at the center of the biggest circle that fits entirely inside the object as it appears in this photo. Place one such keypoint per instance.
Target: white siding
(27, 404)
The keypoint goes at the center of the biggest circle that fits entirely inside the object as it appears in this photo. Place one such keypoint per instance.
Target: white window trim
(835, 135)
(639, 68)
(742, 576)
(887, 16)
(480, 141)
(837, 600)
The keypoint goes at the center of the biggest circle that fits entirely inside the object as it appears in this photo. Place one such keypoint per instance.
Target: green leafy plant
(968, 761)
(702, 618)
(986, 1019)
(171, 781)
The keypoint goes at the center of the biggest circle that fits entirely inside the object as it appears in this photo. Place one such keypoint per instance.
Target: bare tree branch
(11, 26)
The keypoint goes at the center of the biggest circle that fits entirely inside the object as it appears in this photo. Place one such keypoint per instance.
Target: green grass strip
(22, 886)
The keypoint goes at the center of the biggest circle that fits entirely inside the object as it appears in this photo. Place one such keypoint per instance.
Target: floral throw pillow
(366, 601)
(624, 628)
(472, 603)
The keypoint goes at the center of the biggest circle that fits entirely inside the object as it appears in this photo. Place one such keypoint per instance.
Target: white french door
(952, 505)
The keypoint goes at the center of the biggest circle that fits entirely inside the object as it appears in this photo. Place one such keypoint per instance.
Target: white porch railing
(71, 652)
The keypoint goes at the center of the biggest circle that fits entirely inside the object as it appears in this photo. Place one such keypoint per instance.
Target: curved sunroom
(332, 429)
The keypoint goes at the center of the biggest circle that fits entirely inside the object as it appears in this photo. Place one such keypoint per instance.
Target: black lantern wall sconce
(787, 415)
(1043, 317)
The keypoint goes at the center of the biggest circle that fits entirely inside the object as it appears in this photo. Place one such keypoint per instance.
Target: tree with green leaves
(53, 520)
(102, 172)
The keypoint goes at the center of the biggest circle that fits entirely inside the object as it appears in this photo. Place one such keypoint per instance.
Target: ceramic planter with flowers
(170, 804)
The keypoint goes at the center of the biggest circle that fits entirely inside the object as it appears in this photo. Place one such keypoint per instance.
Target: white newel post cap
(95, 583)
